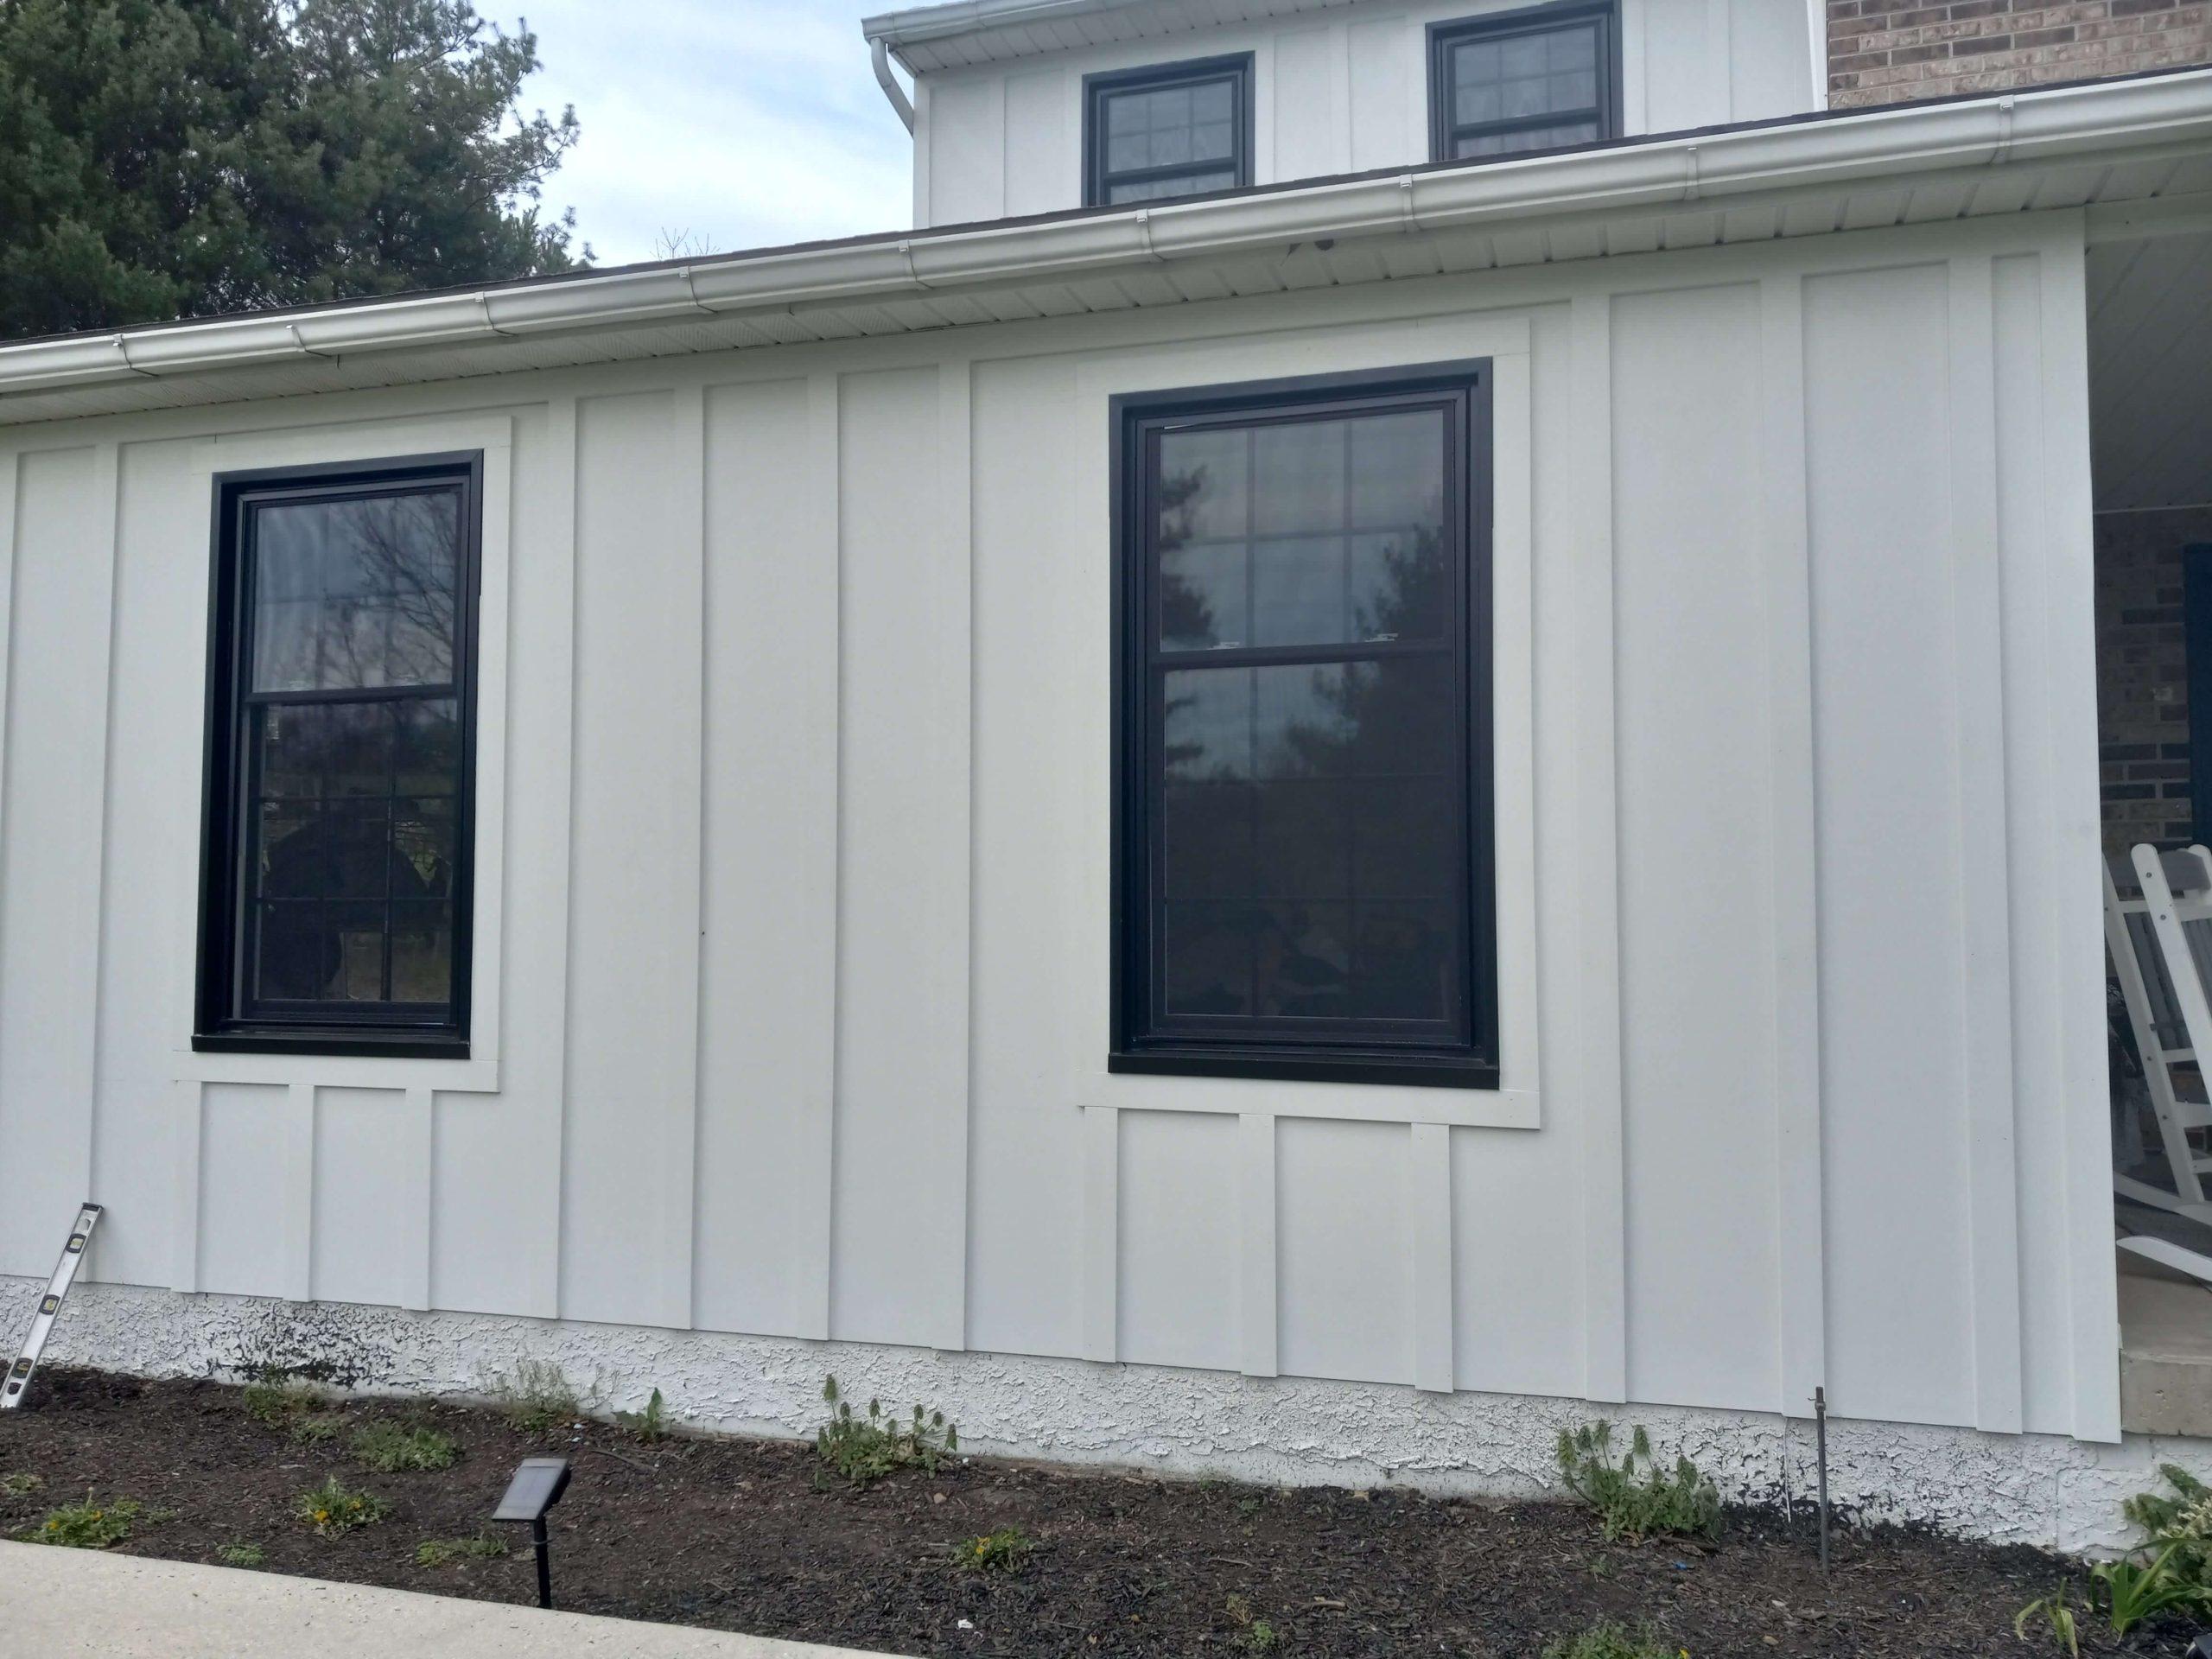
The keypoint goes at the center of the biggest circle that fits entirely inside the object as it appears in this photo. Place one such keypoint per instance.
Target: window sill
(1460, 1094)
(336, 1061)
(1422, 1070)
(335, 1045)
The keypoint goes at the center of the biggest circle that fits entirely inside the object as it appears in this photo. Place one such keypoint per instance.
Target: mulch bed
(742, 1535)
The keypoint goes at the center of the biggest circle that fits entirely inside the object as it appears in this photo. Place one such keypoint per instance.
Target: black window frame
(1444, 130)
(1136, 1044)
(219, 1026)
(1236, 67)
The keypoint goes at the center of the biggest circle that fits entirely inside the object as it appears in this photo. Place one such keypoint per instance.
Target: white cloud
(744, 123)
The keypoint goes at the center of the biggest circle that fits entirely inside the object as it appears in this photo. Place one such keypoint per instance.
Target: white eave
(2145, 142)
(925, 38)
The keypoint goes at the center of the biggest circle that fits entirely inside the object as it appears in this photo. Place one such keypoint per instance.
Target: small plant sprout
(537, 1396)
(21, 1485)
(2055, 1613)
(332, 1509)
(996, 1552)
(1610, 1641)
(649, 1424)
(1255, 1634)
(1633, 1498)
(392, 1447)
(240, 1554)
(864, 1450)
(93, 1524)
(443, 1551)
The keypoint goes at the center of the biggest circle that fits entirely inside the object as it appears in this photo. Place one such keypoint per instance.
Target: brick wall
(1890, 52)
(2143, 711)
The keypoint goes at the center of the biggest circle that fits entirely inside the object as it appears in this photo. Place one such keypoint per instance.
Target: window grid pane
(1181, 134)
(1523, 91)
(1308, 876)
(338, 904)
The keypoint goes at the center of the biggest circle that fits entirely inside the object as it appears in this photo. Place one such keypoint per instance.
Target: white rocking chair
(2161, 948)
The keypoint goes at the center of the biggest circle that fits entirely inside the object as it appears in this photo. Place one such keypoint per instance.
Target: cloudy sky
(744, 123)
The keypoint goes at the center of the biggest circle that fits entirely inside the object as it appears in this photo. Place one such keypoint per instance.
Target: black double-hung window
(335, 873)
(1540, 78)
(1167, 130)
(1302, 817)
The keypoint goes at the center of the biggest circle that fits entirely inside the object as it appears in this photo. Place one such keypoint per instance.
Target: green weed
(1633, 1498)
(391, 1447)
(241, 1554)
(651, 1424)
(92, 1524)
(443, 1551)
(863, 1450)
(332, 1509)
(1002, 1551)
(1610, 1641)
(21, 1485)
(537, 1396)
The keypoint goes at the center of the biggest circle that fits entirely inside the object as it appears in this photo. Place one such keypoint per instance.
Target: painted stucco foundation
(2017, 1488)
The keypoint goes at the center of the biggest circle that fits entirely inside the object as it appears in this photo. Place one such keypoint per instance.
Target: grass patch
(240, 1554)
(864, 1450)
(1609, 1641)
(21, 1485)
(277, 1399)
(537, 1396)
(332, 1509)
(93, 1524)
(443, 1551)
(1002, 1551)
(1634, 1498)
(391, 1447)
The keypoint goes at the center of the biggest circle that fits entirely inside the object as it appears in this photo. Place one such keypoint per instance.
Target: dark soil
(741, 1536)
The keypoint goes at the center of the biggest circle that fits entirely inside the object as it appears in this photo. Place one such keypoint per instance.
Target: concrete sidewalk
(79, 1601)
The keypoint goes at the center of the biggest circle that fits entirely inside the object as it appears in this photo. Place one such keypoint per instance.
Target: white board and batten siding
(1343, 90)
(795, 843)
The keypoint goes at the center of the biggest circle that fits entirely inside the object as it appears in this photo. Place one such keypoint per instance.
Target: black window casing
(1236, 68)
(216, 1027)
(1526, 20)
(1136, 1048)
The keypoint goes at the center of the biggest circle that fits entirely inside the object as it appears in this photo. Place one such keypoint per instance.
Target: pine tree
(167, 158)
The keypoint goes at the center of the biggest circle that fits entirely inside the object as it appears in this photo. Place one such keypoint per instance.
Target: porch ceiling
(2150, 371)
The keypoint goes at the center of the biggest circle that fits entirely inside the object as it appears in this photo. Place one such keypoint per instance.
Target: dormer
(1034, 106)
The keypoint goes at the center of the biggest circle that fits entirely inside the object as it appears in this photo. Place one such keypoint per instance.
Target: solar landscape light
(536, 1487)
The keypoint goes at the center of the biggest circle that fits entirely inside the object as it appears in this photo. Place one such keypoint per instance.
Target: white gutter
(888, 80)
(965, 17)
(1882, 146)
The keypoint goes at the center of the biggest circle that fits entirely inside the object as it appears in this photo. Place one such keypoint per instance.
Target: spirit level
(65, 1274)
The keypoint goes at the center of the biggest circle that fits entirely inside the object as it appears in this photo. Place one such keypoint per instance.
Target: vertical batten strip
(1101, 1231)
(416, 1232)
(2068, 670)
(543, 1153)
(1598, 870)
(955, 922)
(1428, 1188)
(1255, 1279)
(184, 1220)
(1985, 884)
(818, 786)
(10, 465)
(107, 496)
(1794, 839)
(687, 549)
(298, 1233)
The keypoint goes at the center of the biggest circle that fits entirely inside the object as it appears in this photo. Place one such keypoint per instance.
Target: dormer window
(1167, 130)
(1515, 81)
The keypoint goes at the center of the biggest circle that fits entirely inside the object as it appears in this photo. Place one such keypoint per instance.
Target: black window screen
(1305, 832)
(1174, 130)
(1522, 80)
(338, 839)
